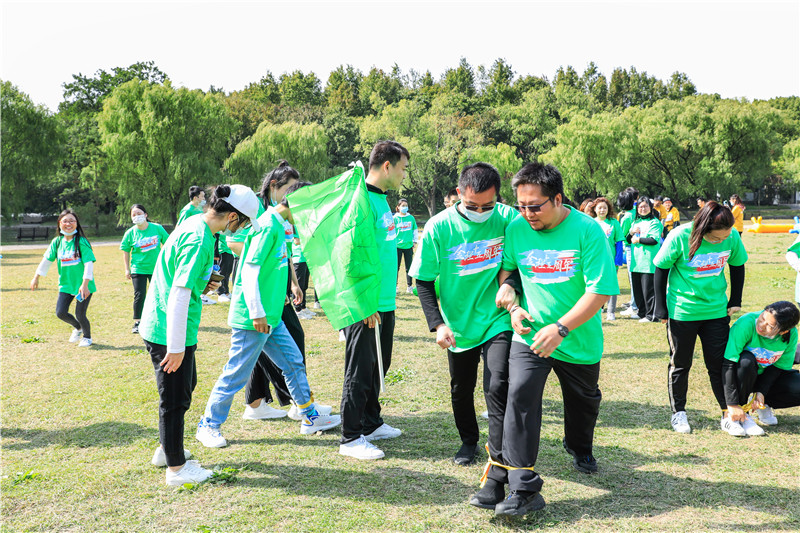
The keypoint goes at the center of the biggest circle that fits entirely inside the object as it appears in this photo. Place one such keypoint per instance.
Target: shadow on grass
(101, 435)
(663, 354)
(409, 338)
(216, 329)
(129, 348)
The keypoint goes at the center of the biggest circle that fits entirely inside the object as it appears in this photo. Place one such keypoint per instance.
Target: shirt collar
(372, 188)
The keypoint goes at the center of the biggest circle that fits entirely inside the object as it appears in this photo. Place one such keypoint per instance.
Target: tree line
(129, 136)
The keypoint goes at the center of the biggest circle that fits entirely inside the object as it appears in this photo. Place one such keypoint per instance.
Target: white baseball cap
(244, 200)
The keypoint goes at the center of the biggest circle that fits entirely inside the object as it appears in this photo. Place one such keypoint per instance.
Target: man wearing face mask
(463, 246)
(197, 199)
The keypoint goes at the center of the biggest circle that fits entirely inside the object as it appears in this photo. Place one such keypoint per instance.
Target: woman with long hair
(644, 237)
(604, 215)
(626, 201)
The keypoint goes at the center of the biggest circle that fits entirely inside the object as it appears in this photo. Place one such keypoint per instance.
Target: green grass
(85, 422)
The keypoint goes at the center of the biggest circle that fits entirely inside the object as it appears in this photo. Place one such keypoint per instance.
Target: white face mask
(202, 203)
(476, 217)
(73, 232)
(139, 219)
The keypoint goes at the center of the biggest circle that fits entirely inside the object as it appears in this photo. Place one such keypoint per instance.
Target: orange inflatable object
(759, 227)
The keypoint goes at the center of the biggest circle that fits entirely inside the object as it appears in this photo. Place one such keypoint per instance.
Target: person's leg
(257, 387)
(399, 258)
(785, 390)
(612, 305)
(372, 419)
(301, 271)
(234, 267)
(225, 268)
(649, 296)
(80, 315)
(714, 339)
(62, 309)
(463, 377)
(495, 389)
(408, 255)
(139, 292)
(746, 375)
(628, 257)
(581, 403)
(282, 350)
(295, 329)
(360, 369)
(682, 336)
(638, 294)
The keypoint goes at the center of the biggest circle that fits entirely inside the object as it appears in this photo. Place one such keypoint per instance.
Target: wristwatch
(562, 329)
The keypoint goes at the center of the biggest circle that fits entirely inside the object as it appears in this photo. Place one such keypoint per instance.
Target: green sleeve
(87, 254)
(127, 241)
(599, 272)
(617, 232)
(795, 246)
(787, 359)
(655, 230)
(188, 266)
(670, 252)
(52, 252)
(413, 229)
(425, 265)
(738, 253)
(509, 259)
(260, 246)
(627, 222)
(737, 340)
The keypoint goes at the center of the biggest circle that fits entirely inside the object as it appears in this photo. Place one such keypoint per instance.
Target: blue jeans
(246, 345)
(628, 256)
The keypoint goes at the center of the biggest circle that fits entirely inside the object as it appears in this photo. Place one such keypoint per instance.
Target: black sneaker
(466, 454)
(582, 463)
(490, 495)
(520, 503)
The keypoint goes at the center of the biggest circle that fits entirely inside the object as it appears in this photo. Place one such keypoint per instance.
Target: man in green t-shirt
(197, 199)
(463, 247)
(567, 275)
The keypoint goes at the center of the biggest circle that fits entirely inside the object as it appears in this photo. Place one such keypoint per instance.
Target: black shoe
(582, 463)
(490, 495)
(521, 502)
(466, 454)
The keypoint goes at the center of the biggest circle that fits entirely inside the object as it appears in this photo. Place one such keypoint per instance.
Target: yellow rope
(491, 462)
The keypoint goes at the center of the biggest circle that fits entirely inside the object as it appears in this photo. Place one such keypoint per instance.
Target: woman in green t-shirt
(406, 227)
(644, 238)
(604, 215)
(75, 275)
(140, 246)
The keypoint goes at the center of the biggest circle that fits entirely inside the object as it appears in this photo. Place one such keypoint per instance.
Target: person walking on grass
(463, 247)
(626, 201)
(171, 318)
(406, 227)
(197, 200)
(604, 215)
(691, 300)
(644, 237)
(567, 275)
(140, 246)
(757, 370)
(75, 275)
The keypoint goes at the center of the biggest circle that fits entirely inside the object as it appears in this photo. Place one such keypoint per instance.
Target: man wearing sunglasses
(568, 273)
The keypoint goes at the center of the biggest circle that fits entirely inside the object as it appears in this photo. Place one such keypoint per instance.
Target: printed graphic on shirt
(474, 257)
(765, 357)
(549, 266)
(145, 244)
(68, 257)
(403, 225)
(710, 264)
(388, 223)
(288, 231)
(281, 255)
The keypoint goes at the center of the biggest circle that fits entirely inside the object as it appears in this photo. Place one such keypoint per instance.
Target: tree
(460, 79)
(342, 92)
(502, 157)
(86, 93)
(298, 89)
(343, 136)
(500, 90)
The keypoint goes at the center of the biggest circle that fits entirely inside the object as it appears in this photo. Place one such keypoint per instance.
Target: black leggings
(644, 293)
(225, 268)
(408, 254)
(139, 292)
(79, 321)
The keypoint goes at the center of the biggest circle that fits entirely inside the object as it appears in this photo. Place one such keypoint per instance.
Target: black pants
(644, 293)
(234, 267)
(527, 375)
(682, 336)
(785, 390)
(225, 269)
(301, 271)
(463, 378)
(360, 409)
(175, 398)
(739, 378)
(79, 321)
(139, 292)
(408, 255)
(266, 372)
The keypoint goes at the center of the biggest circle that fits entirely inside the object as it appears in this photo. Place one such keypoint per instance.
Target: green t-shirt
(189, 210)
(297, 253)
(223, 245)
(768, 352)
(466, 257)
(144, 246)
(241, 236)
(267, 249)
(386, 237)
(185, 260)
(625, 221)
(558, 266)
(613, 232)
(696, 289)
(406, 227)
(795, 247)
(70, 266)
(288, 233)
(643, 254)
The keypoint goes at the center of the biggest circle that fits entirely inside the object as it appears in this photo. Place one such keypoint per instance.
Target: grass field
(79, 427)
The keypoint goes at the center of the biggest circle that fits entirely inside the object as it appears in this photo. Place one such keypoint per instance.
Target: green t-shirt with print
(613, 232)
(466, 258)
(189, 210)
(558, 266)
(697, 288)
(643, 254)
(241, 236)
(406, 227)
(70, 265)
(267, 249)
(144, 246)
(795, 247)
(768, 352)
(625, 221)
(386, 237)
(185, 260)
(297, 253)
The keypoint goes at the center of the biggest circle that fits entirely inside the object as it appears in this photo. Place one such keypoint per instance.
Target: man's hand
(172, 362)
(445, 337)
(736, 413)
(373, 320)
(261, 325)
(297, 292)
(546, 341)
(505, 297)
(733, 310)
(212, 286)
(517, 317)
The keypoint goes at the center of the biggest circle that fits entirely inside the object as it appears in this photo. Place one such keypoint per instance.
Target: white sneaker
(629, 312)
(680, 422)
(210, 437)
(751, 428)
(294, 412)
(85, 343)
(191, 472)
(410, 290)
(75, 336)
(316, 422)
(645, 319)
(317, 306)
(361, 449)
(206, 300)
(224, 298)
(611, 316)
(733, 428)
(262, 412)
(765, 416)
(485, 415)
(342, 338)
(160, 458)
(306, 314)
(385, 431)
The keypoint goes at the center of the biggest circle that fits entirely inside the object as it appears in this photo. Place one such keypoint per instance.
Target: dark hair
(479, 177)
(194, 192)
(218, 205)
(652, 214)
(452, 192)
(589, 202)
(141, 208)
(786, 315)
(659, 198)
(710, 217)
(627, 198)
(604, 200)
(702, 199)
(383, 151)
(547, 177)
(401, 200)
(76, 242)
(736, 199)
(280, 175)
(291, 189)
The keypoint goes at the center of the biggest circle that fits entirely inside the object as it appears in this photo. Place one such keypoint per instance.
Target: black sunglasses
(536, 208)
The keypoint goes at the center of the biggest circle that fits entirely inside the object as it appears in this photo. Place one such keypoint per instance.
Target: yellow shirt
(738, 218)
(662, 211)
(670, 218)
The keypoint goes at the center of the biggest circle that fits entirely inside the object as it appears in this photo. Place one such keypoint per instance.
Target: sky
(735, 49)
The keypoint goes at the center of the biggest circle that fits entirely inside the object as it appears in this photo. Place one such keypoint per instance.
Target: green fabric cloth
(406, 227)
(223, 245)
(337, 224)
(465, 257)
(558, 266)
(267, 249)
(643, 254)
(144, 246)
(189, 210)
(768, 352)
(297, 254)
(613, 232)
(697, 288)
(185, 260)
(70, 266)
(795, 247)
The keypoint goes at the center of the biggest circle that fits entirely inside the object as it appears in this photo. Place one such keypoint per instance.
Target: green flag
(337, 231)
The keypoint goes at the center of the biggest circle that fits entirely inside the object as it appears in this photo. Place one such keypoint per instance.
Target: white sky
(736, 49)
